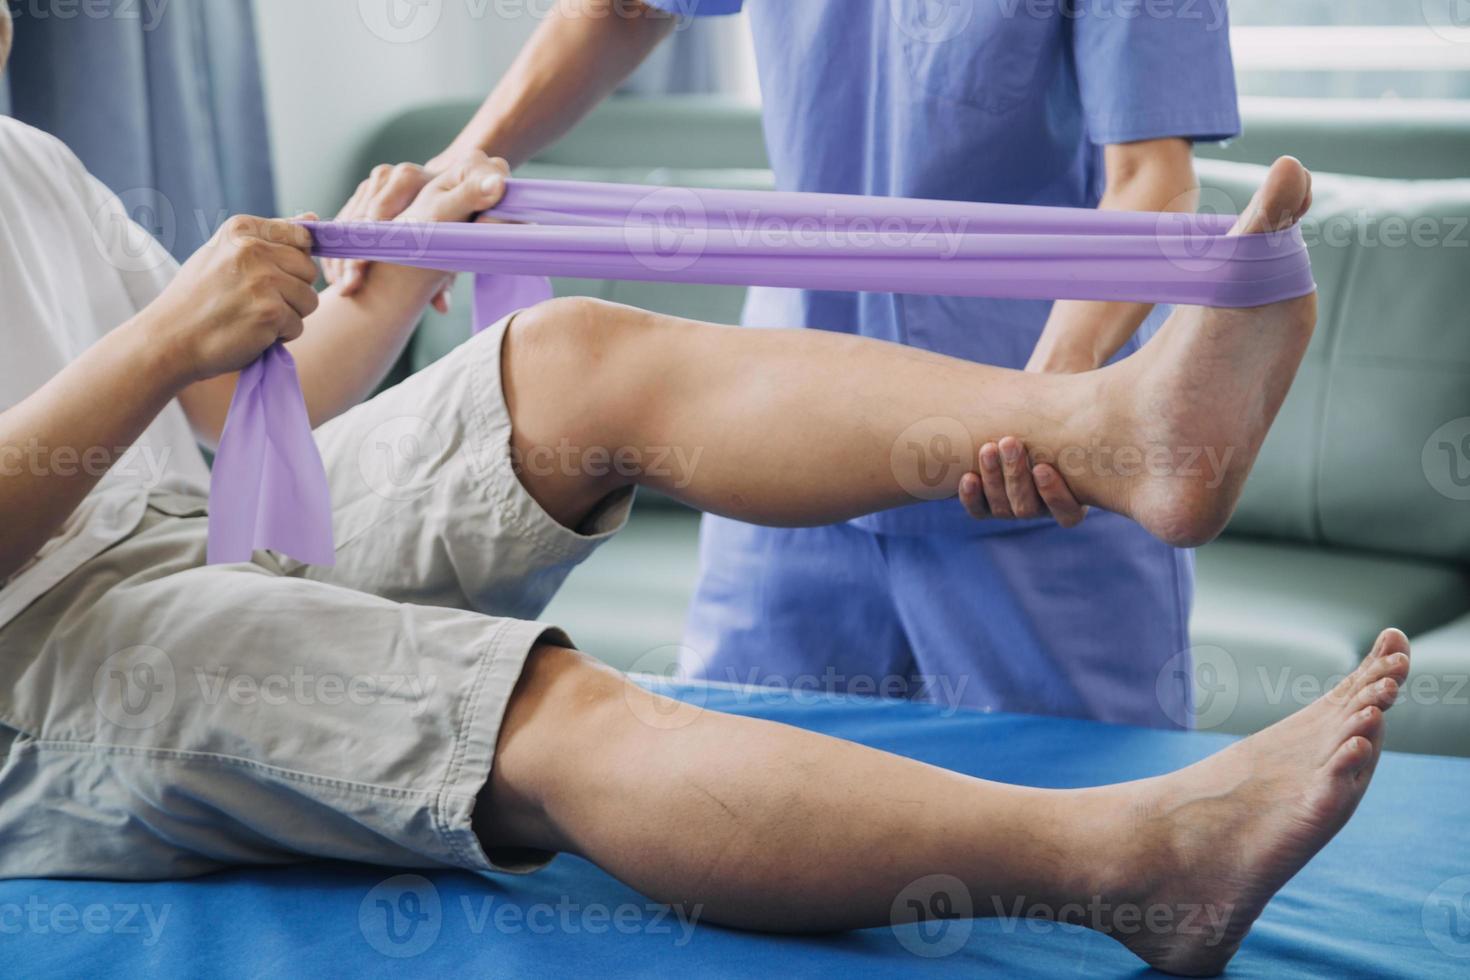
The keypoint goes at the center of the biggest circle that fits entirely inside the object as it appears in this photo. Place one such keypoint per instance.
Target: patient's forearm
(56, 444)
(578, 56)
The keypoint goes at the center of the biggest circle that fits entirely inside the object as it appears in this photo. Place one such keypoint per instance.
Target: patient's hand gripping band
(269, 489)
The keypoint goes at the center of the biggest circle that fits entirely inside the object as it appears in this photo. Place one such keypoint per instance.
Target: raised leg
(768, 827)
(799, 427)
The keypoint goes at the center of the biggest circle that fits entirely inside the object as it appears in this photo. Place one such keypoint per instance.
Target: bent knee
(574, 368)
(578, 330)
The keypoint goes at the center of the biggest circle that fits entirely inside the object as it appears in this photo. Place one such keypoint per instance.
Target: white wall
(337, 69)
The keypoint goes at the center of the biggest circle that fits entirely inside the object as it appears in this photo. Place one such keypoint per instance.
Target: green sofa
(1358, 513)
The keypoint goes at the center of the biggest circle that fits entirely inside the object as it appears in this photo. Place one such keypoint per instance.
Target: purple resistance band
(269, 488)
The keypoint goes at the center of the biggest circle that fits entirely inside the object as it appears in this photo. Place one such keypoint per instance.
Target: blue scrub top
(977, 100)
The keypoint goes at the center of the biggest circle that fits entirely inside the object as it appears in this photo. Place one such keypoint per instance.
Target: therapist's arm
(1154, 175)
(580, 54)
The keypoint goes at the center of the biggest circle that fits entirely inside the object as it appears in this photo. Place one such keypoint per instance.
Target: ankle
(1096, 436)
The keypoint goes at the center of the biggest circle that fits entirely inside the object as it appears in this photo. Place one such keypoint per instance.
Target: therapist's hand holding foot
(1008, 484)
(1208, 385)
(1195, 387)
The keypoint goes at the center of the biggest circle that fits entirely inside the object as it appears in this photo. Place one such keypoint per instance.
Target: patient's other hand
(473, 183)
(1009, 486)
(386, 194)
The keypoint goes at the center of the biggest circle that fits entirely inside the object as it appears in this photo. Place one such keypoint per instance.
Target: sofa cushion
(1275, 624)
(1355, 136)
(1372, 447)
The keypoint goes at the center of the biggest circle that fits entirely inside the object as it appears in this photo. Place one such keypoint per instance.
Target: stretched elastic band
(269, 490)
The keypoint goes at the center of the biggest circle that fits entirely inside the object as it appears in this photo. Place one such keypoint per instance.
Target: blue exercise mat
(1390, 897)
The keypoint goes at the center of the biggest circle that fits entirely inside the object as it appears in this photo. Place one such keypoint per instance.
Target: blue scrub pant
(1087, 623)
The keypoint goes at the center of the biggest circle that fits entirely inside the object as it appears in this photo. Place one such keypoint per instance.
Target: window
(1352, 48)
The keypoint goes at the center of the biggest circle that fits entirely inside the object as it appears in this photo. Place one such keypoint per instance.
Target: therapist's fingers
(972, 496)
(993, 481)
(1057, 495)
(1020, 488)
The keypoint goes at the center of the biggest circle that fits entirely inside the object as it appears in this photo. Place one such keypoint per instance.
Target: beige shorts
(160, 717)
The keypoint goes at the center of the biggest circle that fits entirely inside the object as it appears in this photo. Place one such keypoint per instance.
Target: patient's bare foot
(1225, 834)
(1207, 387)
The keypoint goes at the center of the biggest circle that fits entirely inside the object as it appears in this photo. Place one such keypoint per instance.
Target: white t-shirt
(73, 265)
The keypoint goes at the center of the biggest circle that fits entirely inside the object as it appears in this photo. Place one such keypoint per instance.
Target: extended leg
(768, 827)
(805, 427)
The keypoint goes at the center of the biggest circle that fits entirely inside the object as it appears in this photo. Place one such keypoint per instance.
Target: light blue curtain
(161, 99)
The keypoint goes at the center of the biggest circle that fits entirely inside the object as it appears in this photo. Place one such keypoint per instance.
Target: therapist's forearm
(578, 56)
(1157, 175)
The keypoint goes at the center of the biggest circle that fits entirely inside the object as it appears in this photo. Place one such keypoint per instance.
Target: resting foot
(1227, 833)
(1207, 387)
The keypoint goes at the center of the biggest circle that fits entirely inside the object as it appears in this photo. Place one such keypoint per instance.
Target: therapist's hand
(1009, 486)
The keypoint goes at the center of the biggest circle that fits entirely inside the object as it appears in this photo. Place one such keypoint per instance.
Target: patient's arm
(249, 287)
(56, 444)
(350, 342)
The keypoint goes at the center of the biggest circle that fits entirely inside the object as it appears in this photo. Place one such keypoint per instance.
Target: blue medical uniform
(978, 100)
